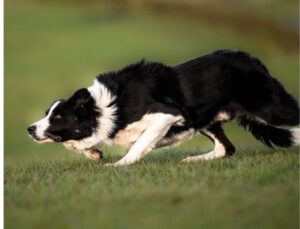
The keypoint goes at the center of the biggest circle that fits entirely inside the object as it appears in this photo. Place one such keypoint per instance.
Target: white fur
(155, 129)
(218, 152)
(104, 98)
(43, 124)
(296, 136)
(106, 120)
(222, 116)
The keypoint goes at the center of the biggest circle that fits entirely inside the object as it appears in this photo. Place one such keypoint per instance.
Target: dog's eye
(57, 117)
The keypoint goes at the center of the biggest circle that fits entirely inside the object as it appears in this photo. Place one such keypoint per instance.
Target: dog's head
(72, 119)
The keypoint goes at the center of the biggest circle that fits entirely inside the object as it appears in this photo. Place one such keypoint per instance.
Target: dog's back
(237, 83)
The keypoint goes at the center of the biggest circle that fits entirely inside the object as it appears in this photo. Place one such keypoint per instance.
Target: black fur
(267, 134)
(224, 80)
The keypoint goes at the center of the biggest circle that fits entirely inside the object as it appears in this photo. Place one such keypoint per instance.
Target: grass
(253, 188)
(53, 49)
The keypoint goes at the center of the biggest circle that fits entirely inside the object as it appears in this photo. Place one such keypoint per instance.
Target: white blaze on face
(42, 125)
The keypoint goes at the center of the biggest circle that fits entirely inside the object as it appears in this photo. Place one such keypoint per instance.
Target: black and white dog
(148, 105)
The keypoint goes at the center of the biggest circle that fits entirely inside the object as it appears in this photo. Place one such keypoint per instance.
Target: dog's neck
(105, 122)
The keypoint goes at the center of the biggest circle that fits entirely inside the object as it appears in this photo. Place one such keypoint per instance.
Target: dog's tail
(269, 134)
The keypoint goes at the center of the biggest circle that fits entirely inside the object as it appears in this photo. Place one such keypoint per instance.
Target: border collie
(148, 105)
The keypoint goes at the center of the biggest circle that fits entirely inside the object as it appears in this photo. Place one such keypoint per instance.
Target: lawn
(253, 189)
(52, 50)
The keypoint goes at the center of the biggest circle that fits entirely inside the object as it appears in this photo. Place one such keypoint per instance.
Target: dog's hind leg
(223, 147)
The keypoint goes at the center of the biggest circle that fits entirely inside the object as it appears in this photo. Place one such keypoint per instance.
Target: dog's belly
(176, 138)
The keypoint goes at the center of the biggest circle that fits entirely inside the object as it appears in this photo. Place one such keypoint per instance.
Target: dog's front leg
(156, 130)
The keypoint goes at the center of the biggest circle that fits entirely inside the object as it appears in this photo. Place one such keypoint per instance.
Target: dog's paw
(188, 159)
(114, 165)
(95, 155)
(193, 158)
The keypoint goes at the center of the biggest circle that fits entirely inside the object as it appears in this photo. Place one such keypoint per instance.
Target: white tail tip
(296, 136)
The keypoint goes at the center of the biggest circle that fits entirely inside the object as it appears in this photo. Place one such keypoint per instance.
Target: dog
(148, 105)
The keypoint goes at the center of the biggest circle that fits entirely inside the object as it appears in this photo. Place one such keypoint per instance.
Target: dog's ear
(80, 98)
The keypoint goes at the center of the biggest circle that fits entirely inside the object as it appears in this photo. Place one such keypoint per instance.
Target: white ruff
(106, 121)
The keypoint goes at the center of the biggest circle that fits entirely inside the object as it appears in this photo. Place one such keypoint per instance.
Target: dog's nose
(31, 129)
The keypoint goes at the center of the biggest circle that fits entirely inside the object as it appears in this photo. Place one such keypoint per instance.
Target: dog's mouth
(48, 137)
(41, 140)
(53, 137)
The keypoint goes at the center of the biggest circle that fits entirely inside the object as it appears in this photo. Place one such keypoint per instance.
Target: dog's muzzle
(32, 130)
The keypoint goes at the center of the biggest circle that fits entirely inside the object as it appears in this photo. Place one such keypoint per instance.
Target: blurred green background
(54, 47)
